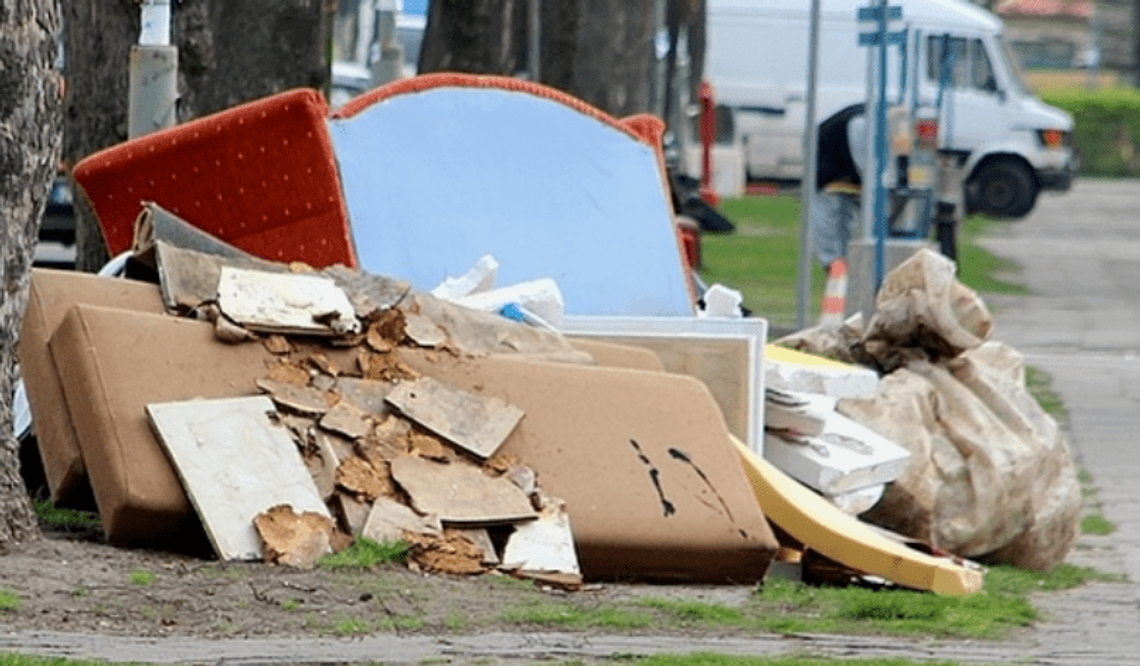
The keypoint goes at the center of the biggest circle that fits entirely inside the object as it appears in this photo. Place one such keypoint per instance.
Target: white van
(1011, 144)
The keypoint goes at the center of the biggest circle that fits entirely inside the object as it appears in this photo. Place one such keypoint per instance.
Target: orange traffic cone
(834, 295)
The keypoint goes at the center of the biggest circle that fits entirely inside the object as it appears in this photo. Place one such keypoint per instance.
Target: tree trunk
(30, 103)
(229, 53)
(598, 50)
(475, 36)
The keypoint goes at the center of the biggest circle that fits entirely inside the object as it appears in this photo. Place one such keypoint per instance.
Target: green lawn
(761, 258)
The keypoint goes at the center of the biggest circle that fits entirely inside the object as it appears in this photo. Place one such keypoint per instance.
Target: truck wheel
(1002, 188)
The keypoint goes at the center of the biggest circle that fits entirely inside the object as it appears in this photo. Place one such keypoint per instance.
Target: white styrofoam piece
(234, 465)
(722, 301)
(838, 381)
(477, 279)
(752, 329)
(288, 301)
(834, 469)
(541, 297)
(811, 408)
(546, 544)
(856, 502)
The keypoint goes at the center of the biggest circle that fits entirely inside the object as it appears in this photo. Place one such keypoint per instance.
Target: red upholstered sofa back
(261, 176)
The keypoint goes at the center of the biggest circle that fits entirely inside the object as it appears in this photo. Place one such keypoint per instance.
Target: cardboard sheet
(118, 362)
(727, 354)
(643, 461)
(52, 294)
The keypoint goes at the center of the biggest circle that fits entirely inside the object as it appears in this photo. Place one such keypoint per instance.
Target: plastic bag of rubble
(921, 306)
(921, 313)
(991, 477)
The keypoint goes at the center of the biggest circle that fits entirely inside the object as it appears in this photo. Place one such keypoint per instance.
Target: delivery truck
(954, 60)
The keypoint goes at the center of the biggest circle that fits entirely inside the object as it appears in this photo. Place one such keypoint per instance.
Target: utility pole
(153, 73)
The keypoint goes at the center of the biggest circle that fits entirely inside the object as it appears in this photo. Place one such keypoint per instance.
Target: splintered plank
(389, 519)
(461, 494)
(475, 423)
(234, 464)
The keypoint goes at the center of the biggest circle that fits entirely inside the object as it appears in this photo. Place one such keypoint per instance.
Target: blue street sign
(894, 13)
(872, 38)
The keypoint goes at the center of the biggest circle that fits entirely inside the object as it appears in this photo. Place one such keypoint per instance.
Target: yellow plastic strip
(819, 525)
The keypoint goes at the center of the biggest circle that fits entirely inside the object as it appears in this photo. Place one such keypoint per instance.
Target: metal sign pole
(809, 184)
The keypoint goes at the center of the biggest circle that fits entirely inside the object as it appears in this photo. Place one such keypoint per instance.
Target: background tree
(228, 53)
(599, 50)
(30, 104)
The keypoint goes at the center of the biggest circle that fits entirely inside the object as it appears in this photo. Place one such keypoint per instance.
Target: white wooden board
(285, 302)
(845, 457)
(234, 464)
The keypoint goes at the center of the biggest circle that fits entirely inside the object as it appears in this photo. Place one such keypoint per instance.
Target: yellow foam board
(813, 521)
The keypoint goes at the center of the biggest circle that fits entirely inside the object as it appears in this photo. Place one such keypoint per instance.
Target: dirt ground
(76, 583)
(83, 597)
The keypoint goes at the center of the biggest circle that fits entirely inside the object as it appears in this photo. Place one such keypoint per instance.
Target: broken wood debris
(450, 552)
(277, 344)
(366, 480)
(288, 371)
(389, 520)
(285, 302)
(295, 539)
(296, 398)
(348, 420)
(383, 367)
(475, 423)
(461, 494)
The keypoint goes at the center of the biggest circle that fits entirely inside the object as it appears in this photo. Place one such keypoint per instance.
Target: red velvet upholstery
(261, 176)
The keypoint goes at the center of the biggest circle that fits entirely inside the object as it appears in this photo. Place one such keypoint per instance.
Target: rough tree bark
(598, 50)
(30, 107)
(229, 52)
(475, 36)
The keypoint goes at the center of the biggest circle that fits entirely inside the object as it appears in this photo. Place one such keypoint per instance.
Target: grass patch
(141, 577)
(713, 659)
(568, 615)
(1093, 521)
(70, 520)
(365, 553)
(1096, 525)
(761, 258)
(1040, 385)
(352, 626)
(290, 604)
(697, 612)
(10, 600)
(978, 268)
(789, 607)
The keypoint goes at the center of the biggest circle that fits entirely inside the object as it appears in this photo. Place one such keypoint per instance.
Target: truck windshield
(1012, 65)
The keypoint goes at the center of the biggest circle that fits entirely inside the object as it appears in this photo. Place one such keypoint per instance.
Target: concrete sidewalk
(1080, 256)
